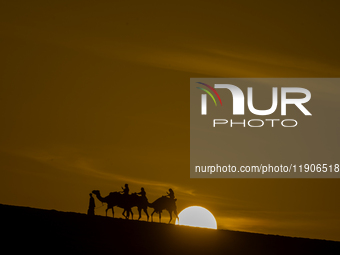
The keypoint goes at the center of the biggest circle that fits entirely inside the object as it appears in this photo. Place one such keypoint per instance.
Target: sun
(197, 216)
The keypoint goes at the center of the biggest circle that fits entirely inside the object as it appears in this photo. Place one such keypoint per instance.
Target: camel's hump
(113, 193)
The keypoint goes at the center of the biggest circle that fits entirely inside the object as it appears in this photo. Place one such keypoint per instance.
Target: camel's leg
(175, 212)
(107, 210)
(146, 212)
(160, 216)
(140, 213)
(152, 215)
(131, 214)
(170, 216)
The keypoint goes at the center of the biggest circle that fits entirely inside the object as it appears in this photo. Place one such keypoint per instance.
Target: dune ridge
(42, 231)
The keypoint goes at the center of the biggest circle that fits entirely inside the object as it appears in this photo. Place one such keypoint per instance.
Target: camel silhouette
(124, 201)
(164, 203)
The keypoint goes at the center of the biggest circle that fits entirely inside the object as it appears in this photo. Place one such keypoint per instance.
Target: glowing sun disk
(197, 216)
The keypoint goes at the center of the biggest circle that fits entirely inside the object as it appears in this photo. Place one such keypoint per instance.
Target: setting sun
(197, 216)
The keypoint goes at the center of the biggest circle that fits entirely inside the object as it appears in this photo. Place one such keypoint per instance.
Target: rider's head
(142, 189)
(126, 185)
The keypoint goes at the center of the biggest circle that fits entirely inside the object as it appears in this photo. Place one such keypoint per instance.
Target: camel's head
(96, 192)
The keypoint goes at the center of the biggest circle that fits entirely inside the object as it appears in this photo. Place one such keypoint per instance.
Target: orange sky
(87, 93)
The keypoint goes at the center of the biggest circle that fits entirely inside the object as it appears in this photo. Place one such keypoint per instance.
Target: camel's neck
(100, 198)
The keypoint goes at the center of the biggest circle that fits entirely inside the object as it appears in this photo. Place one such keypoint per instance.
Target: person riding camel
(142, 193)
(125, 190)
(171, 194)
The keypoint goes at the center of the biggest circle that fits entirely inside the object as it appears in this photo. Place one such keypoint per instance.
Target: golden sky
(87, 102)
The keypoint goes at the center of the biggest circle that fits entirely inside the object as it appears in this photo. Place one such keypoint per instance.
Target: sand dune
(48, 231)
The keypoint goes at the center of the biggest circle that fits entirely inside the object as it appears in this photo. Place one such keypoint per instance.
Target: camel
(120, 200)
(164, 203)
(141, 203)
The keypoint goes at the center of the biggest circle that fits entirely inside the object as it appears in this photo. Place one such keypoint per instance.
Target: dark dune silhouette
(40, 231)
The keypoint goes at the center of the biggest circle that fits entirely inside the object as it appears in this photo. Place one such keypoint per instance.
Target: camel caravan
(126, 201)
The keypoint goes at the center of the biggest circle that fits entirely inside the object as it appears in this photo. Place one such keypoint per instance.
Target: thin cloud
(206, 58)
(143, 182)
(85, 166)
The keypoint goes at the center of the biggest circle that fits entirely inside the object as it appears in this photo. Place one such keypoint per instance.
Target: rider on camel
(171, 194)
(142, 193)
(125, 190)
